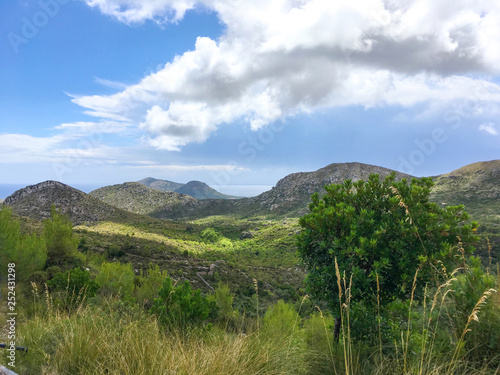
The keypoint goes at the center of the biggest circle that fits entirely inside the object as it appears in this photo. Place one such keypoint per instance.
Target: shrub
(181, 307)
(380, 232)
(74, 285)
(116, 279)
(149, 285)
(210, 235)
(115, 251)
(28, 252)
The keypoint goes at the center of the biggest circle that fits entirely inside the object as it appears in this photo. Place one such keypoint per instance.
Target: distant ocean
(8, 189)
(242, 190)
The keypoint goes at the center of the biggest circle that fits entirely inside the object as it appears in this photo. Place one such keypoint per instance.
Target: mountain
(289, 197)
(200, 190)
(35, 201)
(292, 193)
(141, 199)
(477, 187)
(162, 185)
(196, 189)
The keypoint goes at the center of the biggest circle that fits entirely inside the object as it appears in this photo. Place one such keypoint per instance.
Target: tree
(28, 252)
(380, 229)
(58, 234)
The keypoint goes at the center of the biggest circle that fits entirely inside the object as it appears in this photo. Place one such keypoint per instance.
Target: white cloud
(85, 127)
(62, 148)
(23, 148)
(488, 128)
(282, 57)
(111, 84)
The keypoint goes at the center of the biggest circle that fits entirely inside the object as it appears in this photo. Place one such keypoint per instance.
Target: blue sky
(232, 92)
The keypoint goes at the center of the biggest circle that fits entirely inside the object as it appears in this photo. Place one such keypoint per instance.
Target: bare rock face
(35, 201)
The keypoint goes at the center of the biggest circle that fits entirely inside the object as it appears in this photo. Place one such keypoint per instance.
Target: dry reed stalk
(409, 320)
(328, 339)
(472, 317)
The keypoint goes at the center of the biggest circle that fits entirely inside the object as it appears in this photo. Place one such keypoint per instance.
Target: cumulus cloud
(488, 128)
(283, 57)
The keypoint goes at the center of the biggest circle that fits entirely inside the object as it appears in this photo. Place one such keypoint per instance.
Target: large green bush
(383, 230)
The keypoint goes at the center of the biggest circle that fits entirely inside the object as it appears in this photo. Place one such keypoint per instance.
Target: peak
(31, 189)
(194, 182)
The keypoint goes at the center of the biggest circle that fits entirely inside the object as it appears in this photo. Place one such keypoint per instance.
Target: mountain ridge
(475, 185)
(196, 189)
(35, 201)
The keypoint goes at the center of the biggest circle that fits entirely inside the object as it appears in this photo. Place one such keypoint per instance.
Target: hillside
(477, 186)
(138, 198)
(35, 201)
(196, 189)
(201, 190)
(162, 185)
(289, 197)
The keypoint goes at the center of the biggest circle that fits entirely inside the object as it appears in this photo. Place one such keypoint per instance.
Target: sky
(239, 93)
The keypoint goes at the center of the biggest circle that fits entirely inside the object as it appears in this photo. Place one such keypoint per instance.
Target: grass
(113, 336)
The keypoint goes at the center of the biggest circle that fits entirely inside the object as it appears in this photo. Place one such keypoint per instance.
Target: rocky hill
(293, 192)
(163, 185)
(138, 198)
(477, 186)
(201, 190)
(35, 201)
(289, 197)
(196, 189)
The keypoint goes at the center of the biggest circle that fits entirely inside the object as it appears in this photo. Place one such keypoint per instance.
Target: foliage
(28, 252)
(62, 245)
(149, 285)
(379, 229)
(483, 340)
(224, 301)
(115, 251)
(210, 235)
(76, 285)
(116, 279)
(181, 307)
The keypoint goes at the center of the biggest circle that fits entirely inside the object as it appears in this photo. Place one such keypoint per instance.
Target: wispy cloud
(488, 128)
(111, 84)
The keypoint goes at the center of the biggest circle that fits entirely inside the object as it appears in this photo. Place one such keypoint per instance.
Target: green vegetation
(381, 231)
(28, 252)
(225, 295)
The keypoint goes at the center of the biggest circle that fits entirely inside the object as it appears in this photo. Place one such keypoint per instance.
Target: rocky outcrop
(35, 201)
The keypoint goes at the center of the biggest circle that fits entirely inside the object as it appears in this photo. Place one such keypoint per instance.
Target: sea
(242, 190)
